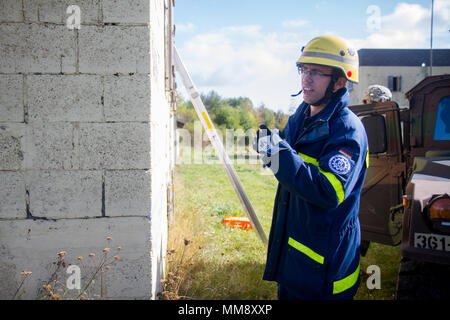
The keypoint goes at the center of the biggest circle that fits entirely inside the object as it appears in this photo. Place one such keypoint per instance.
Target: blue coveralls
(314, 241)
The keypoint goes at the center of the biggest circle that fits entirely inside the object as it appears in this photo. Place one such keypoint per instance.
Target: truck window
(442, 129)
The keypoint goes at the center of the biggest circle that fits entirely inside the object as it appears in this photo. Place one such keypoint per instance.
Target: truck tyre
(418, 280)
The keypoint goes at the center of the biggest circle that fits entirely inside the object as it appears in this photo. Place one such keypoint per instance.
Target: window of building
(395, 83)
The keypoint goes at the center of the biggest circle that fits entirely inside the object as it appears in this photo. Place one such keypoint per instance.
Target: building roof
(403, 57)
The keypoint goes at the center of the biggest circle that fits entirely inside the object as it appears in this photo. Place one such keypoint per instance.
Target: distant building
(398, 69)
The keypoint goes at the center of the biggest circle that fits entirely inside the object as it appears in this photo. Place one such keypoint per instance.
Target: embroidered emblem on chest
(339, 164)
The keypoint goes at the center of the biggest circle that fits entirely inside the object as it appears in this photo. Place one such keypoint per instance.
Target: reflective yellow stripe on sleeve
(337, 185)
(304, 249)
(346, 283)
(367, 158)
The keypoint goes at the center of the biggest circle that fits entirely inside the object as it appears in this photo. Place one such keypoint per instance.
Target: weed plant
(93, 268)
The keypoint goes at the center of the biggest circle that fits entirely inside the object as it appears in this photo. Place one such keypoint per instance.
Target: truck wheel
(418, 280)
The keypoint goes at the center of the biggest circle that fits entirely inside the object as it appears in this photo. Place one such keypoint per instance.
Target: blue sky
(249, 47)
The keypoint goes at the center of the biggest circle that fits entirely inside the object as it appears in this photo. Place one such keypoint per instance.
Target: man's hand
(266, 142)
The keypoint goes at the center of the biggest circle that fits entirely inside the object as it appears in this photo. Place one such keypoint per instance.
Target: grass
(388, 259)
(209, 261)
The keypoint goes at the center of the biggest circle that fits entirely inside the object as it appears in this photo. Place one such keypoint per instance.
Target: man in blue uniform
(320, 160)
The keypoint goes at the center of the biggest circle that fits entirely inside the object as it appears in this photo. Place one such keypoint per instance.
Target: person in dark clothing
(321, 159)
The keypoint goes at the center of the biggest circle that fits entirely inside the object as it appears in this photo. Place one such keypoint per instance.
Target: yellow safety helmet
(332, 52)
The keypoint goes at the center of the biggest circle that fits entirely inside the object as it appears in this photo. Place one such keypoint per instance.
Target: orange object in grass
(238, 222)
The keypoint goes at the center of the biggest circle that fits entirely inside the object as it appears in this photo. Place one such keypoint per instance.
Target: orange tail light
(440, 209)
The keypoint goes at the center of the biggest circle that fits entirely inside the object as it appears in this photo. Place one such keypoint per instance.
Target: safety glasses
(314, 73)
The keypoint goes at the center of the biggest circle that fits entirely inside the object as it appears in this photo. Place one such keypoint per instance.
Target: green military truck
(405, 200)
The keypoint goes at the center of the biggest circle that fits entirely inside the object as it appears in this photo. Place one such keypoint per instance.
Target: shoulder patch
(339, 164)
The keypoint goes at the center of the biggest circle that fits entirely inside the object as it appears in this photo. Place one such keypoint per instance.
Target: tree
(230, 113)
(266, 116)
(212, 101)
(281, 119)
(241, 103)
(247, 120)
(227, 117)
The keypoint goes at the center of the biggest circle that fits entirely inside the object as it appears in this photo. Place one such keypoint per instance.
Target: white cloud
(442, 9)
(408, 27)
(442, 19)
(244, 61)
(406, 15)
(189, 27)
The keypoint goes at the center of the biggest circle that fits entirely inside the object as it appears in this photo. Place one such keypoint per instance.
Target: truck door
(430, 117)
(381, 207)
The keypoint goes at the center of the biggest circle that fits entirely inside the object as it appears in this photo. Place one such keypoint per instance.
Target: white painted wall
(411, 76)
(85, 141)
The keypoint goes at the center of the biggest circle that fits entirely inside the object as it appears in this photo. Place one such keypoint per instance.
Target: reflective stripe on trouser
(337, 185)
(346, 283)
(339, 285)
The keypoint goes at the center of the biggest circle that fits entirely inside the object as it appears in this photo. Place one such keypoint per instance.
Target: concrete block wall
(85, 140)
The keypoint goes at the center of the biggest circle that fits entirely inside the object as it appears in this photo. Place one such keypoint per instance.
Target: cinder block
(114, 49)
(11, 11)
(127, 193)
(12, 195)
(36, 48)
(54, 11)
(64, 98)
(50, 146)
(126, 11)
(33, 245)
(11, 98)
(56, 194)
(12, 140)
(124, 145)
(127, 98)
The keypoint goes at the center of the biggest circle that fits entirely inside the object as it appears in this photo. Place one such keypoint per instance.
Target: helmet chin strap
(328, 93)
(295, 95)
